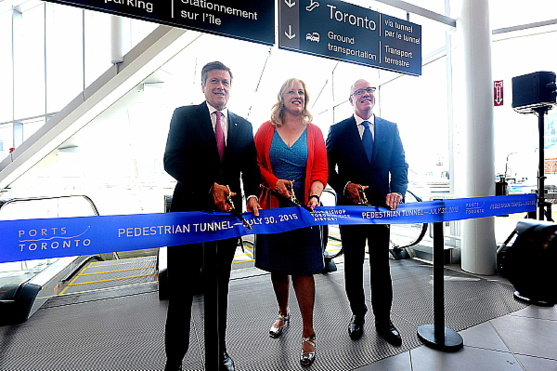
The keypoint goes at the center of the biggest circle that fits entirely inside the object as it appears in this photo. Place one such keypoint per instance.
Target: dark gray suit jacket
(387, 172)
(191, 157)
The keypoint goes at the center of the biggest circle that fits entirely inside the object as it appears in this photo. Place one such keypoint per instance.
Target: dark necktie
(219, 135)
(367, 140)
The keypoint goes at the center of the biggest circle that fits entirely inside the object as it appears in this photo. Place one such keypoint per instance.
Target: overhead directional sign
(338, 30)
(252, 20)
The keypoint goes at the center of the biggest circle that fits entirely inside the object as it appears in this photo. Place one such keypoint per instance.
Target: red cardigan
(316, 168)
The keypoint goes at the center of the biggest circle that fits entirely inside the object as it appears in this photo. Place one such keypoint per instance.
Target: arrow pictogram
(498, 93)
(289, 34)
(290, 3)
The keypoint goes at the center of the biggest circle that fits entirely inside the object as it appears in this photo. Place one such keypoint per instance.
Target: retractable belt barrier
(58, 237)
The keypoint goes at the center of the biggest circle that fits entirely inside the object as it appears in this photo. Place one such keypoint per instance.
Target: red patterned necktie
(219, 134)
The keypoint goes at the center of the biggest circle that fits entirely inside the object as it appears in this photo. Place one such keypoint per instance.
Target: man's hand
(253, 205)
(220, 197)
(393, 200)
(352, 191)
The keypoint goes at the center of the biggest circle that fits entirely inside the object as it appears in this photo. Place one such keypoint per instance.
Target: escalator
(26, 286)
(96, 276)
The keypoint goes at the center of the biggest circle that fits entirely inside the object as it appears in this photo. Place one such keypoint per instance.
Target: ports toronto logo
(53, 238)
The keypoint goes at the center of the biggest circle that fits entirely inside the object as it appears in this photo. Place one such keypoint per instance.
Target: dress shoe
(169, 368)
(307, 358)
(388, 332)
(279, 326)
(356, 326)
(227, 363)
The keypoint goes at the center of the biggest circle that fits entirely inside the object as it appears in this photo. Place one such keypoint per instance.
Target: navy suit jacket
(387, 172)
(192, 158)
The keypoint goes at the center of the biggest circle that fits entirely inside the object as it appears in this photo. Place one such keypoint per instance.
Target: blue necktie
(367, 140)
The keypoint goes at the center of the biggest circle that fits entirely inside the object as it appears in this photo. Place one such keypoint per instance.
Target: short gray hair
(216, 65)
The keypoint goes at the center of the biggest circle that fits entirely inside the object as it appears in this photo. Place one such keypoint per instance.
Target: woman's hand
(253, 205)
(313, 202)
(283, 187)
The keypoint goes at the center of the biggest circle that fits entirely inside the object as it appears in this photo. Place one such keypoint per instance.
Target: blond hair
(277, 112)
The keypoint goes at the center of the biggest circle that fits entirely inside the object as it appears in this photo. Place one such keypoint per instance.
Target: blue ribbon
(50, 238)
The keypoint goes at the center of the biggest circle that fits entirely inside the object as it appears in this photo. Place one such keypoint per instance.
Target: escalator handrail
(14, 200)
(417, 241)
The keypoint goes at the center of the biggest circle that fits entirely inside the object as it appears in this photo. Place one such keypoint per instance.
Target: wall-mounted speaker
(533, 90)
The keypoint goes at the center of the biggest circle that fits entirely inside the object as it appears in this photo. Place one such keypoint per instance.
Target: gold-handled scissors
(295, 201)
(363, 197)
(235, 212)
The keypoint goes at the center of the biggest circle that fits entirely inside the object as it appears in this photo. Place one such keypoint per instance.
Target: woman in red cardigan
(292, 156)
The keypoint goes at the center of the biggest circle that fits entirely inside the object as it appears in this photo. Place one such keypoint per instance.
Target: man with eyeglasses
(367, 165)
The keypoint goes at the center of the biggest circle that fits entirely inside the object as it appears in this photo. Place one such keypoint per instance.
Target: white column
(118, 28)
(476, 173)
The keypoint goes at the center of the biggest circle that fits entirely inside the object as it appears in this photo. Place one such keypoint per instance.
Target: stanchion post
(437, 335)
(439, 281)
(541, 112)
(210, 306)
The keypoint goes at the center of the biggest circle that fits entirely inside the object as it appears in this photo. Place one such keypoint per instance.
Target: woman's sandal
(278, 327)
(307, 358)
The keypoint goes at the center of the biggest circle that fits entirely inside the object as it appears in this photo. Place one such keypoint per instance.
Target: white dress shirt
(361, 127)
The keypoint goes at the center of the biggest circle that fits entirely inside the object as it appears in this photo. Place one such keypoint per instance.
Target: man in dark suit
(208, 150)
(366, 159)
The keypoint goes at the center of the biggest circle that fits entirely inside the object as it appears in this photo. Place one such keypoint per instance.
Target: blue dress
(298, 252)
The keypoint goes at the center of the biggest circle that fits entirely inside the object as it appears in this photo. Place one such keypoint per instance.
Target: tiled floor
(524, 340)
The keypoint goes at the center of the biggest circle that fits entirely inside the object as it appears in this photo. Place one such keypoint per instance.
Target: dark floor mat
(125, 329)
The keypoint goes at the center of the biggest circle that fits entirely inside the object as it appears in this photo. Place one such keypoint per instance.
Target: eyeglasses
(369, 90)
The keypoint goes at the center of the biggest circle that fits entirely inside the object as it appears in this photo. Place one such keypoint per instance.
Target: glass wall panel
(437, 6)
(97, 45)
(64, 55)
(509, 13)
(6, 140)
(29, 66)
(419, 107)
(139, 30)
(31, 126)
(6, 66)
(433, 35)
